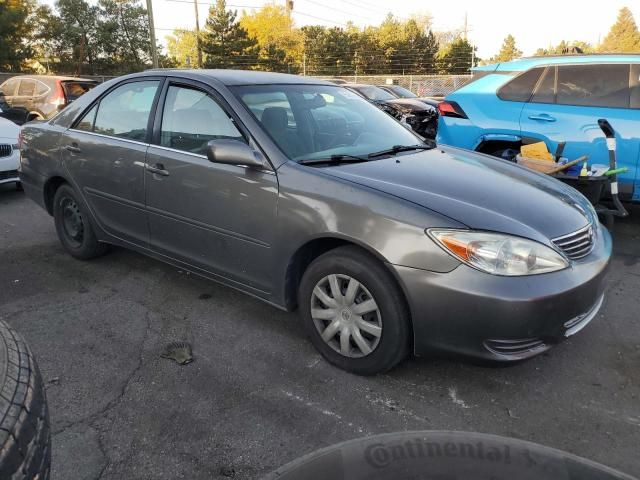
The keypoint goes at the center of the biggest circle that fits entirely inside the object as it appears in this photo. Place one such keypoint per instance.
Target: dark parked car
(40, 97)
(303, 194)
(422, 118)
(401, 92)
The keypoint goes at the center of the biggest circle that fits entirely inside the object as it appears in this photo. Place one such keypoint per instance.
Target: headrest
(274, 118)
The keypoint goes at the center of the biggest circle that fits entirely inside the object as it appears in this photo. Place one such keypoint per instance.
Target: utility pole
(195, 4)
(152, 35)
(466, 26)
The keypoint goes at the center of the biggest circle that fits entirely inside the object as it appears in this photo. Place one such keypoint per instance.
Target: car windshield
(374, 93)
(320, 121)
(403, 92)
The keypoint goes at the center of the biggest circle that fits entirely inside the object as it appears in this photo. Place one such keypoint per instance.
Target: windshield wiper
(334, 160)
(399, 148)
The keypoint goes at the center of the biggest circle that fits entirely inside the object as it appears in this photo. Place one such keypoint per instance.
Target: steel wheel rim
(346, 316)
(72, 222)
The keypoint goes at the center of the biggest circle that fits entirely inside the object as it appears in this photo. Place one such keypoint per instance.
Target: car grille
(5, 150)
(8, 174)
(515, 348)
(577, 244)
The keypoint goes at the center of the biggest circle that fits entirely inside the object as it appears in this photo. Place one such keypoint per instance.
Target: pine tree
(623, 36)
(225, 43)
(509, 51)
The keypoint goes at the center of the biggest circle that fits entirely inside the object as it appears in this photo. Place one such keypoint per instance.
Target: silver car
(301, 193)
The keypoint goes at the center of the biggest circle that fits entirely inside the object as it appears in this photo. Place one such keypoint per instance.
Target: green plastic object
(616, 171)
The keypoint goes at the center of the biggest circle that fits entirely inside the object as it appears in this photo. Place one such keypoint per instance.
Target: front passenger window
(191, 119)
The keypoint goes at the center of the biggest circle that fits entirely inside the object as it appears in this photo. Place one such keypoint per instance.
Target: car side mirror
(234, 152)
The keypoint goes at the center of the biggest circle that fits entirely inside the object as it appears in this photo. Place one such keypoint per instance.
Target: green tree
(15, 29)
(225, 43)
(623, 36)
(457, 58)
(123, 35)
(78, 45)
(509, 51)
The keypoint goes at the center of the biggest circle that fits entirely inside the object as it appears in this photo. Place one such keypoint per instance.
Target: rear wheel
(354, 312)
(74, 226)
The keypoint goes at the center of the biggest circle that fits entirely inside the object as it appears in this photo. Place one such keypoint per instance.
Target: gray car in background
(303, 194)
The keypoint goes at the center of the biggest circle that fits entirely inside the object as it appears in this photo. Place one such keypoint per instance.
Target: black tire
(25, 438)
(394, 342)
(19, 186)
(73, 225)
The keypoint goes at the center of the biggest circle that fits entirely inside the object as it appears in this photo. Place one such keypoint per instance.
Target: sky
(533, 24)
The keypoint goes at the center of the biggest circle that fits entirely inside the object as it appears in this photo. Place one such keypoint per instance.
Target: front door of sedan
(104, 152)
(216, 217)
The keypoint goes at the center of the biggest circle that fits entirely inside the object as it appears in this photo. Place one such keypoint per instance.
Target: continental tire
(25, 441)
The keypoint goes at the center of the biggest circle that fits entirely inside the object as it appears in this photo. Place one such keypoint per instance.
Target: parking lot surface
(258, 395)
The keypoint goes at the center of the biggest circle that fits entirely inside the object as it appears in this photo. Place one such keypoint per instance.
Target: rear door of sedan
(104, 152)
(216, 217)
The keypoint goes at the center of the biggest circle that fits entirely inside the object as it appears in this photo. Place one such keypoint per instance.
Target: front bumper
(479, 315)
(9, 167)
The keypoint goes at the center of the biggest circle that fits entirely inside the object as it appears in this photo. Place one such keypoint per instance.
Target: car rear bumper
(491, 317)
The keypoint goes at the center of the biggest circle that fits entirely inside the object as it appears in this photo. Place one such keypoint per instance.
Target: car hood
(8, 129)
(408, 104)
(479, 191)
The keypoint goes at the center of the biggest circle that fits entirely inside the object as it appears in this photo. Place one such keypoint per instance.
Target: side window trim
(96, 102)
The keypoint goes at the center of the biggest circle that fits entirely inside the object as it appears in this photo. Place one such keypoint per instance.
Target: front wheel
(354, 312)
(73, 225)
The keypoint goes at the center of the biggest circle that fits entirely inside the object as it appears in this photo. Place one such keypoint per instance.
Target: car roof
(530, 62)
(239, 77)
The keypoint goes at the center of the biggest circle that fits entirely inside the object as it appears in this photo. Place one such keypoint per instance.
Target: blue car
(553, 99)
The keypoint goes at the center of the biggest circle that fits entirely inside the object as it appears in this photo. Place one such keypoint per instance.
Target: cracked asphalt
(258, 395)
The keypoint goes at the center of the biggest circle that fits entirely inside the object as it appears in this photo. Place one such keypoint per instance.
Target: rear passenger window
(594, 85)
(520, 88)
(546, 90)
(27, 88)
(191, 119)
(125, 111)
(41, 88)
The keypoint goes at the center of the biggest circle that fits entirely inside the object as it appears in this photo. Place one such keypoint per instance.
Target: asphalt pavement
(257, 394)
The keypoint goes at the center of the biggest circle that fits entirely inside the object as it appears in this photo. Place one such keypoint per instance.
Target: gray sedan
(303, 194)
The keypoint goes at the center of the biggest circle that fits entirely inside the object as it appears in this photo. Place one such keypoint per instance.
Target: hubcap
(72, 221)
(346, 316)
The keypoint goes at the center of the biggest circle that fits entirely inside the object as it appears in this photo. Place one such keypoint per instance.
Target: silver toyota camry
(301, 193)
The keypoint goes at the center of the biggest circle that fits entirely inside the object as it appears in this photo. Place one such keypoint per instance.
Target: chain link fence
(421, 85)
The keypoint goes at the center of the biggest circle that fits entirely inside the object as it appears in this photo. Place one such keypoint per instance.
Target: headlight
(499, 254)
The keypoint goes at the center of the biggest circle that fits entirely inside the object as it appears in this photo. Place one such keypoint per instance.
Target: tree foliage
(182, 47)
(15, 27)
(509, 51)
(623, 36)
(457, 57)
(226, 43)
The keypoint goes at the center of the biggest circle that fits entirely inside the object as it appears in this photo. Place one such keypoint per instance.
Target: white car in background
(9, 152)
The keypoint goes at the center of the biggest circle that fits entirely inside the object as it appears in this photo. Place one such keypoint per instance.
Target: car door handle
(158, 169)
(543, 117)
(73, 148)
